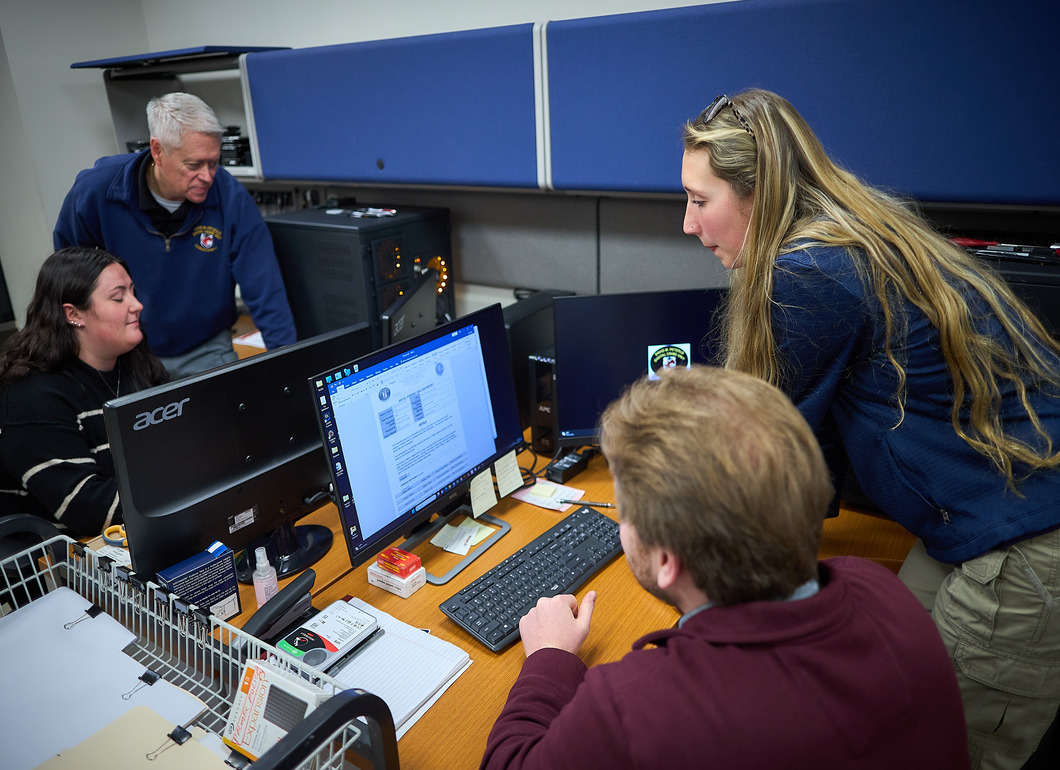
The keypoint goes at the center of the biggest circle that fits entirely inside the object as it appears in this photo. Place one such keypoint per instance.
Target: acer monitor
(230, 454)
(407, 428)
(604, 342)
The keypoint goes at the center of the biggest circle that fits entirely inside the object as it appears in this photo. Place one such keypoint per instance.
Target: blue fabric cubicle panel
(449, 109)
(943, 100)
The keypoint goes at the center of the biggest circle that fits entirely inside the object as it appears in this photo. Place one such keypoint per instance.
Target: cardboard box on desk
(117, 553)
(403, 587)
(398, 562)
(207, 579)
(269, 703)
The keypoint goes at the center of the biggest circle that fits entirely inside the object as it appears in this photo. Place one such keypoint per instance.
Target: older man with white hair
(189, 232)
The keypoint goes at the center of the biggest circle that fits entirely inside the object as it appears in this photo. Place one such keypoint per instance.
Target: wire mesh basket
(192, 649)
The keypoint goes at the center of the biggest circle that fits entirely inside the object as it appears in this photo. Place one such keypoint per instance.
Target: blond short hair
(720, 468)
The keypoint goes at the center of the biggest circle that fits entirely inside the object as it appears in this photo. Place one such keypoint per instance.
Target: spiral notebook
(407, 667)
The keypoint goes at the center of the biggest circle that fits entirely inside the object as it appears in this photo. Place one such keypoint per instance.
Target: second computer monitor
(230, 454)
(407, 427)
(605, 342)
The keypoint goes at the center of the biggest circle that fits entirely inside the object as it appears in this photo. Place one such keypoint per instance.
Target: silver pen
(590, 503)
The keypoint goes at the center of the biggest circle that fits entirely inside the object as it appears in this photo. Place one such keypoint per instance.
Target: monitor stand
(419, 535)
(291, 549)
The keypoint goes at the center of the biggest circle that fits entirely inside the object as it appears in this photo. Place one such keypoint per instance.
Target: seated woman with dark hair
(80, 346)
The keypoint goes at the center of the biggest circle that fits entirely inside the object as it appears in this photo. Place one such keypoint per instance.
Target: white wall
(56, 121)
(23, 228)
(327, 22)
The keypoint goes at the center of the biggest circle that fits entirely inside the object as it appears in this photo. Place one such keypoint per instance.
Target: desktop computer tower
(531, 330)
(542, 415)
(343, 266)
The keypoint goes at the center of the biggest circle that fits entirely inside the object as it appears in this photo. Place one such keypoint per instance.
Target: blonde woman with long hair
(919, 370)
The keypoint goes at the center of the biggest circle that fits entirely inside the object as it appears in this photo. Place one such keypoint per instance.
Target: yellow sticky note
(483, 496)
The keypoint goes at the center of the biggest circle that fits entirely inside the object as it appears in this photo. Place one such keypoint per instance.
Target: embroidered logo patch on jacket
(207, 238)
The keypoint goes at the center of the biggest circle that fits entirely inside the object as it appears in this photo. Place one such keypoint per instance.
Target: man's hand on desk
(557, 622)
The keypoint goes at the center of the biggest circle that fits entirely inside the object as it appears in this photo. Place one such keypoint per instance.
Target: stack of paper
(406, 667)
(65, 678)
(138, 740)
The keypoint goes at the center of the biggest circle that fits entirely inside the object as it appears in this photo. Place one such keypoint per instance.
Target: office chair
(19, 531)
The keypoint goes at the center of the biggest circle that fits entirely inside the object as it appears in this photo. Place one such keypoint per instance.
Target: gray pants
(999, 615)
(214, 352)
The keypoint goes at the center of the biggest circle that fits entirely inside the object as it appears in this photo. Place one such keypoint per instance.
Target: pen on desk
(590, 503)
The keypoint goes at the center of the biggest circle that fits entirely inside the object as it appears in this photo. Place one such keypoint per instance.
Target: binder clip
(91, 612)
(178, 737)
(146, 679)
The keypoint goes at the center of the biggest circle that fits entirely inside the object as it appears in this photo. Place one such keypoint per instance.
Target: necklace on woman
(103, 379)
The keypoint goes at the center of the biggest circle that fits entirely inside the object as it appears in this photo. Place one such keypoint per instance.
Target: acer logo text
(161, 414)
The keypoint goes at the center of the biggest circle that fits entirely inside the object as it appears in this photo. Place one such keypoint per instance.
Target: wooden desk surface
(453, 732)
(332, 567)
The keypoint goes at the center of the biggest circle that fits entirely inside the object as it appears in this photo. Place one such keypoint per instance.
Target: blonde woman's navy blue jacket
(186, 281)
(914, 466)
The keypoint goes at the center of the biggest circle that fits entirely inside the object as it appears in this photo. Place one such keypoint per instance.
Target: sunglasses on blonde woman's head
(721, 102)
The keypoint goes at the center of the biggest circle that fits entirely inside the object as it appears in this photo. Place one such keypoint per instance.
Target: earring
(76, 325)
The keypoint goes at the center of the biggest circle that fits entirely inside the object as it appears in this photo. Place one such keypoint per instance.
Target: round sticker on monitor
(662, 357)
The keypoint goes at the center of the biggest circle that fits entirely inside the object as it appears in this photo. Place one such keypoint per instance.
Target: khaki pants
(999, 615)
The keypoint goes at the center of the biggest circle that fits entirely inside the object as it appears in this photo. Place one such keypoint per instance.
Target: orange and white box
(270, 702)
(403, 587)
(400, 563)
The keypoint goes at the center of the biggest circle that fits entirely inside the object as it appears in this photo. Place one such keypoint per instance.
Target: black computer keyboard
(557, 562)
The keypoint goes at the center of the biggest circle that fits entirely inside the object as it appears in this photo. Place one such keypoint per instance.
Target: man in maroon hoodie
(778, 660)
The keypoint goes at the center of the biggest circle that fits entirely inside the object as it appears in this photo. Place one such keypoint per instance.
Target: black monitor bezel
(502, 391)
(586, 433)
